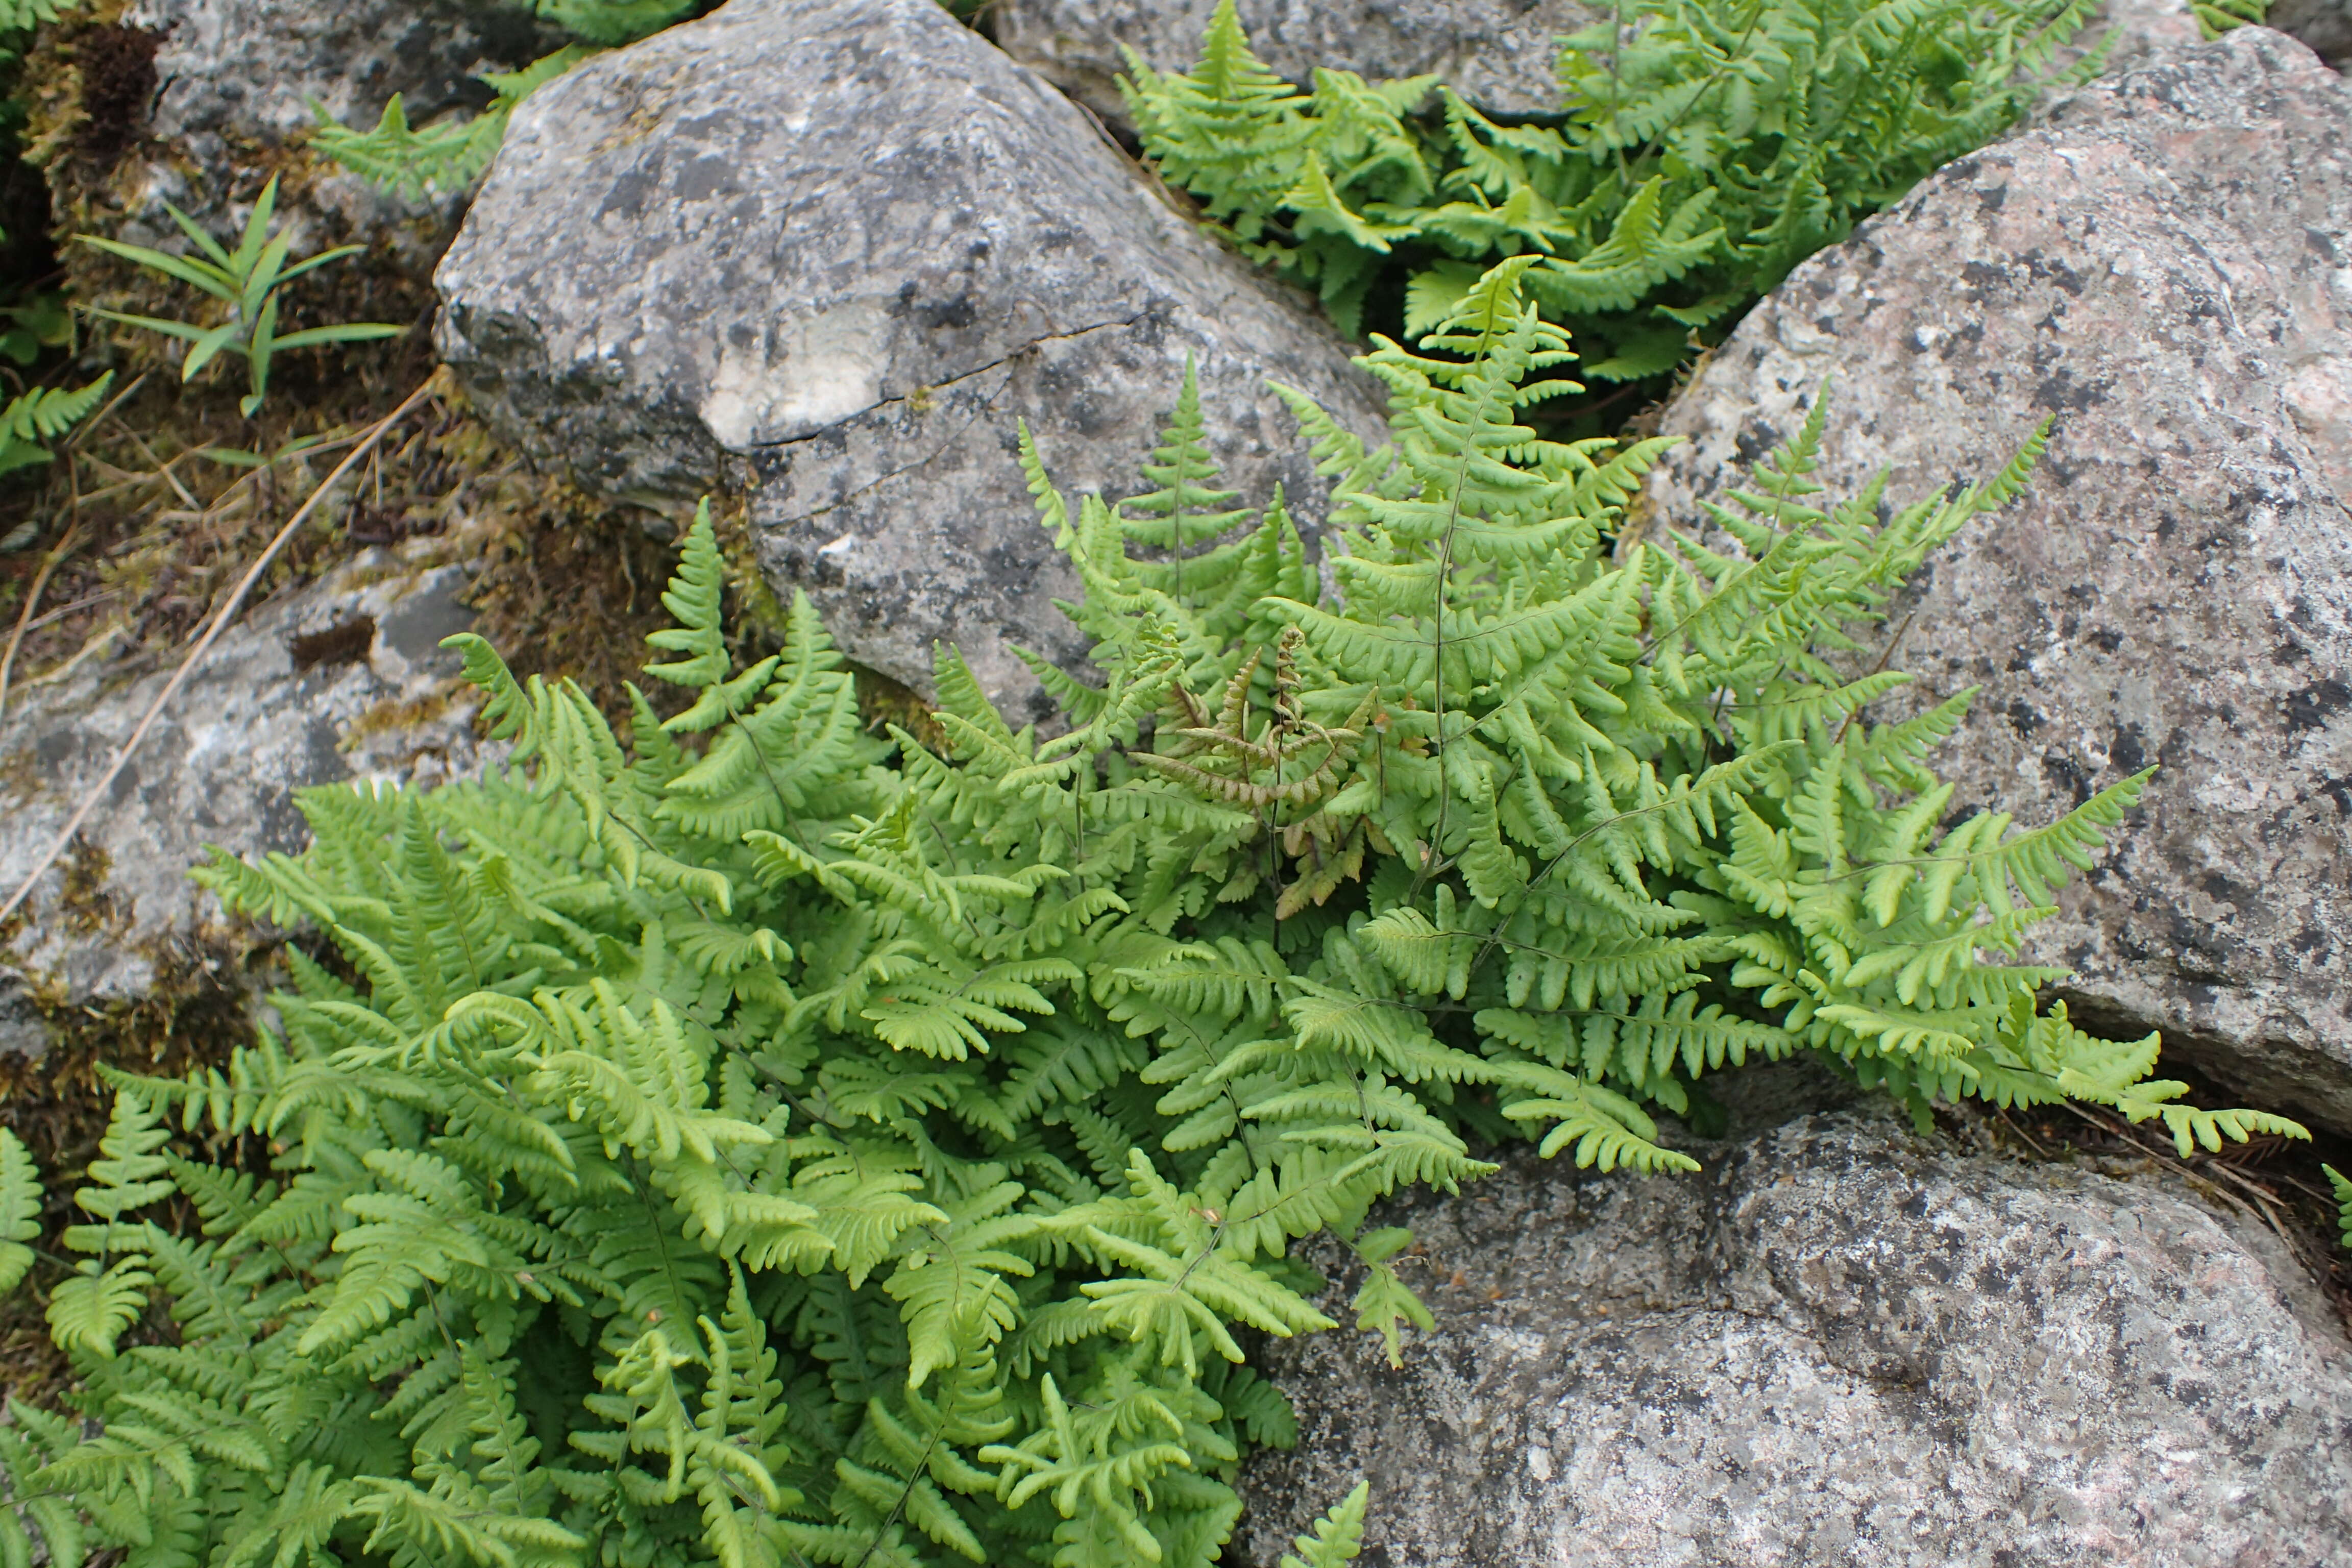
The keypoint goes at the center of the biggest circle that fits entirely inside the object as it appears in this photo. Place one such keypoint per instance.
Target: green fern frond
(853, 1159)
(20, 1210)
(34, 419)
(1694, 164)
(1339, 1535)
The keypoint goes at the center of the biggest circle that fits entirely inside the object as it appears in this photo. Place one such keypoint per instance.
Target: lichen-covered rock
(1837, 1345)
(1499, 53)
(2324, 26)
(195, 102)
(342, 679)
(248, 69)
(839, 251)
(2165, 268)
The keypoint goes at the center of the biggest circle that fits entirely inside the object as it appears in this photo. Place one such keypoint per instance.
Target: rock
(194, 101)
(342, 679)
(2165, 268)
(836, 251)
(245, 69)
(1836, 1345)
(2324, 26)
(2139, 29)
(1498, 53)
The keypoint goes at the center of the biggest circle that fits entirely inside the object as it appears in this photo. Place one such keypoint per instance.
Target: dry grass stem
(367, 443)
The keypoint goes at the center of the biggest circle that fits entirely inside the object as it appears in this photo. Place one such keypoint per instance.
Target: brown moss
(21, 775)
(569, 586)
(883, 701)
(116, 66)
(148, 565)
(394, 717)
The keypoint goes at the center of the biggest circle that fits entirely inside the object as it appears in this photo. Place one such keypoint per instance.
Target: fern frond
(20, 1210)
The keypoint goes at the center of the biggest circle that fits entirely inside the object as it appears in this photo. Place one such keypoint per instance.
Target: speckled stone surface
(234, 85)
(842, 248)
(1837, 1345)
(2164, 268)
(250, 68)
(253, 725)
(1498, 53)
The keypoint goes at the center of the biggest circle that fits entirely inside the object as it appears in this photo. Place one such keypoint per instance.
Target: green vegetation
(743, 1144)
(1702, 149)
(446, 156)
(1339, 1537)
(452, 154)
(2215, 18)
(250, 279)
(746, 1139)
(35, 418)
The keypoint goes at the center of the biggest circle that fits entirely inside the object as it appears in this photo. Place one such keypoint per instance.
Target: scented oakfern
(1704, 148)
(760, 1141)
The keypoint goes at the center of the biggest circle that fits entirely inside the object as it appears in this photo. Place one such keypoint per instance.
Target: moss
(116, 68)
(392, 716)
(197, 1009)
(883, 701)
(20, 774)
(569, 586)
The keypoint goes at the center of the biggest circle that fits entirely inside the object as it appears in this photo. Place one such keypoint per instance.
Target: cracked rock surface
(2163, 266)
(1498, 53)
(837, 250)
(342, 679)
(1839, 1344)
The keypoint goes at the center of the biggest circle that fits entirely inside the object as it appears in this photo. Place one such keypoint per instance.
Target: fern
(1339, 1537)
(449, 155)
(2215, 18)
(33, 420)
(754, 1142)
(23, 15)
(20, 1210)
(1703, 149)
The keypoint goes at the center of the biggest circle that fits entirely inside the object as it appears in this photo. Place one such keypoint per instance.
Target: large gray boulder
(1498, 53)
(1836, 1345)
(2164, 268)
(838, 251)
(343, 679)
